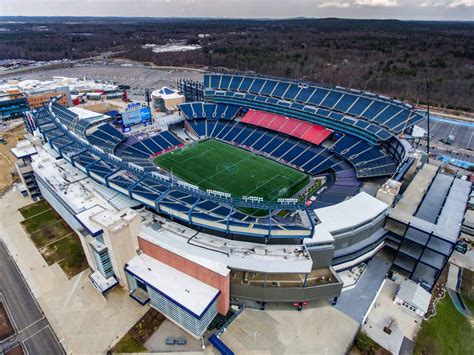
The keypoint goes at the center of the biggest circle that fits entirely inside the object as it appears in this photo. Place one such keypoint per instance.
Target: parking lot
(463, 145)
(138, 78)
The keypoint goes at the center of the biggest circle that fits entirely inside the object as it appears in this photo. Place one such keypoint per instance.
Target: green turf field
(211, 164)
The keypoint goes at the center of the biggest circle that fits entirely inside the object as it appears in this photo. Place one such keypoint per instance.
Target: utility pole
(428, 111)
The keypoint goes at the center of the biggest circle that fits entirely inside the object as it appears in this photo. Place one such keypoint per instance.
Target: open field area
(211, 164)
(449, 332)
(54, 239)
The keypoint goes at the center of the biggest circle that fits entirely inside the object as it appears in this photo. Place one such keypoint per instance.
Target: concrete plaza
(404, 324)
(321, 329)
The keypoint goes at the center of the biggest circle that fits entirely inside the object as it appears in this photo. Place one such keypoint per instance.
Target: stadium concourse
(254, 195)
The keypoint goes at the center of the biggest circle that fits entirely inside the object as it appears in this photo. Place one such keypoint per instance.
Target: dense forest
(389, 57)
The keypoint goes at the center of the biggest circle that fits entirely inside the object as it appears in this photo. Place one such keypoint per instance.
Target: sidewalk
(84, 320)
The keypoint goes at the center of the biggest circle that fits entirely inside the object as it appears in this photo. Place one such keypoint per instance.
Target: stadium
(259, 190)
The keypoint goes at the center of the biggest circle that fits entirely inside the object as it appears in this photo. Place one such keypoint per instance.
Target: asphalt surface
(463, 146)
(32, 329)
(356, 302)
(138, 78)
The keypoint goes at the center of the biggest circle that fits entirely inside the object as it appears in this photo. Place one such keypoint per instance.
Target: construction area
(10, 133)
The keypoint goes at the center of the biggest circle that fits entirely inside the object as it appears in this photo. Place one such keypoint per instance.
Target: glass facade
(102, 259)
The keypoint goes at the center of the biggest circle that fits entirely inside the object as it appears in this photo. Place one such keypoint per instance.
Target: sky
(377, 9)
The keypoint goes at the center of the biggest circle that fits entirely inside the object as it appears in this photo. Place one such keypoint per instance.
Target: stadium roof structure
(166, 93)
(217, 254)
(433, 202)
(169, 196)
(351, 212)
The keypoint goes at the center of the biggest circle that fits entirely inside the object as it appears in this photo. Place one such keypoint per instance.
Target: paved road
(32, 329)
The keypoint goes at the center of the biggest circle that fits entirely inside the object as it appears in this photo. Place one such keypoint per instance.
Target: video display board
(136, 113)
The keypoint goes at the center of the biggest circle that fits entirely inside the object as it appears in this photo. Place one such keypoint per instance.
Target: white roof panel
(185, 290)
(414, 294)
(350, 213)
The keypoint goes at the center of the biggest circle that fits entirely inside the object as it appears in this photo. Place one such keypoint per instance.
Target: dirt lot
(7, 160)
(17, 350)
(6, 328)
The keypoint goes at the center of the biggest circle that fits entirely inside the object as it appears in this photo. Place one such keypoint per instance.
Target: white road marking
(36, 333)
(31, 324)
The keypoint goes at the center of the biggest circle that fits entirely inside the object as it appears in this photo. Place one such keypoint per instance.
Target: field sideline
(211, 164)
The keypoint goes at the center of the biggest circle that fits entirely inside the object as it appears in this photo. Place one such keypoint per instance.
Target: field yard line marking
(195, 176)
(55, 241)
(35, 215)
(265, 183)
(220, 172)
(76, 283)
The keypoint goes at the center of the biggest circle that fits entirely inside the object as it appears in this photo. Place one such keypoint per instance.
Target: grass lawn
(55, 240)
(211, 164)
(48, 233)
(40, 220)
(35, 208)
(449, 332)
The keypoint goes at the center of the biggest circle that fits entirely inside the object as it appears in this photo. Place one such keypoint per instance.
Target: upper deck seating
(368, 160)
(378, 110)
(303, 130)
(196, 110)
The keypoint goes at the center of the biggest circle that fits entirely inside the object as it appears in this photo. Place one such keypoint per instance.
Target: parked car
(170, 341)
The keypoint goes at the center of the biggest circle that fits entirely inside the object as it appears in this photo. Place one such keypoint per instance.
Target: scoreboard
(136, 113)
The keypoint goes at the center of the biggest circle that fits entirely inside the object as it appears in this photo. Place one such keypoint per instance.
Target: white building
(413, 297)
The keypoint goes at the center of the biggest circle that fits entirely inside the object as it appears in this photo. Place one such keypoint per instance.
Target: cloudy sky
(399, 9)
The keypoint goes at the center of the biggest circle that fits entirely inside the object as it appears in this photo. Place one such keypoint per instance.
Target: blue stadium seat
(331, 99)
(256, 86)
(268, 87)
(280, 89)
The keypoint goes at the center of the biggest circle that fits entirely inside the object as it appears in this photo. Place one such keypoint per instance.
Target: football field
(211, 164)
